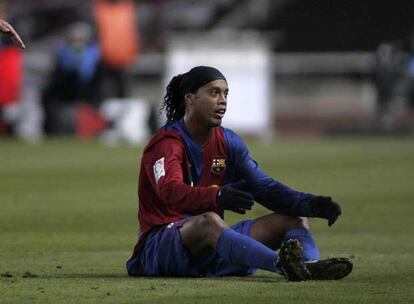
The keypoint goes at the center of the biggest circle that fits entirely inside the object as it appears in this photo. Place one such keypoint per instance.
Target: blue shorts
(163, 254)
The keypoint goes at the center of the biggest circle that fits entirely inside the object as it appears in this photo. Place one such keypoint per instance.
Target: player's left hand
(7, 29)
(325, 207)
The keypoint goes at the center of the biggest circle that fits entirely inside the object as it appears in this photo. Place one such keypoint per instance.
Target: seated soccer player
(192, 170)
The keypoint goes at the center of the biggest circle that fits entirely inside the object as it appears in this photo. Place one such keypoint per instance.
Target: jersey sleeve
(165, 173)
(266, 190)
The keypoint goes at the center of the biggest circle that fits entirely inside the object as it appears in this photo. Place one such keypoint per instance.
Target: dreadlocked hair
(174, 104)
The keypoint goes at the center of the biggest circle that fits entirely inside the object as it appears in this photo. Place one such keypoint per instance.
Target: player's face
(209, 103)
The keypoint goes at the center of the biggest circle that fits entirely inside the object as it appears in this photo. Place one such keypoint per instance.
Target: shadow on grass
(254, 278)
(80, 276)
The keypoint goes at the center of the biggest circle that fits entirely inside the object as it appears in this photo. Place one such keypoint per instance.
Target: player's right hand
(231, 197)
(7, 29)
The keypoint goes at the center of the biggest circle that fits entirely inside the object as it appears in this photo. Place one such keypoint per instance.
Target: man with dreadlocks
(192, 170)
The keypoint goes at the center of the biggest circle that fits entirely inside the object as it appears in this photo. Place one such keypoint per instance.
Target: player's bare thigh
(200, 233)
(270, 229)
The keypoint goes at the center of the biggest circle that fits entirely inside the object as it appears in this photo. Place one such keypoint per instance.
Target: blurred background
(98, 68)
(322, 91)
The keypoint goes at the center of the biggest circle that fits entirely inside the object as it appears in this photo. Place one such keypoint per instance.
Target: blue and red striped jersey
(180, 177)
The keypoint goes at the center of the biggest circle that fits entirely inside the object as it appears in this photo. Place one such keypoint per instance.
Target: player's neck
(199, 132)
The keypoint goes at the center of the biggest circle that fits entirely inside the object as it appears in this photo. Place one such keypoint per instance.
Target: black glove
(230, 197)
(325, 207)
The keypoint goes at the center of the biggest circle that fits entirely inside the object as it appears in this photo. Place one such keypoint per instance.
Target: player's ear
(188, 98)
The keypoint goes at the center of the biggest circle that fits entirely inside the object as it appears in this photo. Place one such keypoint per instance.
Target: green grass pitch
(68, 224)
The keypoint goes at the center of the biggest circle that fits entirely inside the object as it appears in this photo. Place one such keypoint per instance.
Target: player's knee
(202, 230)
(304, 222)
(293, 221)
(210, 220)
(210, 225)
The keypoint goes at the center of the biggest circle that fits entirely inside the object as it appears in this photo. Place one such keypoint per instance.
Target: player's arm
(166, 175)
(282, 199)
(278, 197)
(7, 29)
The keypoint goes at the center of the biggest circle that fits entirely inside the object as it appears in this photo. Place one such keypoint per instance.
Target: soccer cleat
(290, 261)
(329, 269)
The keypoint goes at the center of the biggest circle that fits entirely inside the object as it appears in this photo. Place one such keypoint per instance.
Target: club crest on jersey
(218, 165)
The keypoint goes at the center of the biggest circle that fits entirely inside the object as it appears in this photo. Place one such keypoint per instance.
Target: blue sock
(303, 235)
(243, 250)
